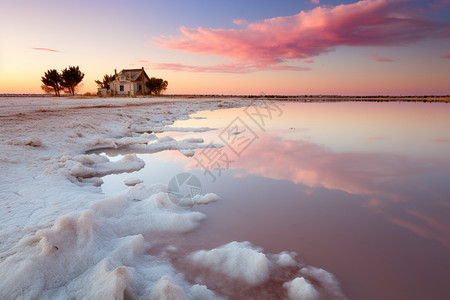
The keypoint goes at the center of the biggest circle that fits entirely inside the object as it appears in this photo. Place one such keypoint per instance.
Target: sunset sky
(394, 47)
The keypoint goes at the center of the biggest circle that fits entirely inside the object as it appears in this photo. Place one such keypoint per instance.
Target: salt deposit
(239, 261)
(300, 289)
(151, 129)
(285, 259)
(132, 181)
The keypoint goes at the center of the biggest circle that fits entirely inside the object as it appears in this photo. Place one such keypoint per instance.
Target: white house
(129, 82)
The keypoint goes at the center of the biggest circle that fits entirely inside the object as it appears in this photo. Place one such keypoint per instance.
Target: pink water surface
(359, 189)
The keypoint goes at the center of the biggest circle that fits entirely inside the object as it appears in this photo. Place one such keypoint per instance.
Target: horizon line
(253, 95)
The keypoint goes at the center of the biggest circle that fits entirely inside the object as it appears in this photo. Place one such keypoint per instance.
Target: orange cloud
(240, 22)
(308, 34)
(381, 59)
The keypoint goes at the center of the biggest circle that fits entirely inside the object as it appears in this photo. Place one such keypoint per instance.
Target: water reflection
(360, 190)
(382, 178)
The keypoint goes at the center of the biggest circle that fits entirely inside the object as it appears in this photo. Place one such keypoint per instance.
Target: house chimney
(115, 72)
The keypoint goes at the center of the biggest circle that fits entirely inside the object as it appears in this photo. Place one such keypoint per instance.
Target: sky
(287, 47)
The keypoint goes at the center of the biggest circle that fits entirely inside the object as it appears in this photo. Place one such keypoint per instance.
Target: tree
(104, 84)
(156, 85)
(51, 82)
(71, 77)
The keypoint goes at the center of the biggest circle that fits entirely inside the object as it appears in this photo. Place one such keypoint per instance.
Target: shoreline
(299, 98)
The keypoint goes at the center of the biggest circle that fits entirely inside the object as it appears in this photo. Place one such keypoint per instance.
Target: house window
(121, 88)
(140, 87)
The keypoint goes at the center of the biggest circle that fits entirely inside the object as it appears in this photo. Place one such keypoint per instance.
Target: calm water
(359, 189)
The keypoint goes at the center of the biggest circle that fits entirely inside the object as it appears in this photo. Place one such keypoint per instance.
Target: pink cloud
(312, 33)
(381, 59)
(315, 1)
(447, 56)
(441, 140)
(374, 139)
(46, 49)
(240, 22)
(309, 61)
(440, 4)
(236, 67)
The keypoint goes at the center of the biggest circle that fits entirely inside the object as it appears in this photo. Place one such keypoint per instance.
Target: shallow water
(359, 189)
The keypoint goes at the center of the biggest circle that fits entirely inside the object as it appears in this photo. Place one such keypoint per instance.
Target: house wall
(115, 87)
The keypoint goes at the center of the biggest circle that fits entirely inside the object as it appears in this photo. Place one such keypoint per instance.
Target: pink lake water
(361, 190)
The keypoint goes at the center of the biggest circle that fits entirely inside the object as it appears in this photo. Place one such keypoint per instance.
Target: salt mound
(239, 268)
(166, 289)
(102, 143)
(165, 139)
(238, 261)
(325, 280)
(205, 199)
(300, 289)
(188, 152)
(201, 292)
(196, 199)
(32, 141)
(129, 163)
(143, 128)
(82, 167)
(285, 259)
(100, 252)
(132, 181)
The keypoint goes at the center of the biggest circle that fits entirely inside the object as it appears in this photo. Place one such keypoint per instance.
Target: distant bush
(156, 86)
(87, 94)
(104, 84)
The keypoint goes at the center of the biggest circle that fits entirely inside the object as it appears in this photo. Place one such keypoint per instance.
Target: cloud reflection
(389, 180)
(304, 162)
(392, 185)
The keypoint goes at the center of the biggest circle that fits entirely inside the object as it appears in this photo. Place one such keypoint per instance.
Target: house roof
(135, 74)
